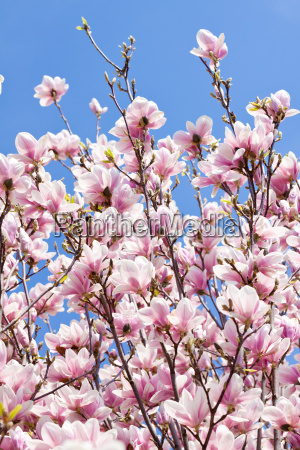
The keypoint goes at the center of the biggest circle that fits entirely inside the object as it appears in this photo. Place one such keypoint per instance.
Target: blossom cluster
(179, 342)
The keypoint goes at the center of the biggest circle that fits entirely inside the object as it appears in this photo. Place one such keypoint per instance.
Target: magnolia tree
(187, 329)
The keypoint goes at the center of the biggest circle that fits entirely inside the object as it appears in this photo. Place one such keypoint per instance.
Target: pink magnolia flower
(10, 175)
(195, 281)
(101, 147)
(128, 324)
(243, 304)
(30, 150)
(14, 304)
(226, 158)
(280, 104)
(36, 248)
(285, 415)
(267, 343)
(17, 438)
(290, 328)
(125, 199)
(253, 141)
(50, 303)
(166, 221)
(77, 286)
(58, 266)
(71, 366)
(212, 177)
(166, 164)
(286, 173)
(223, 438)
(184, 318)
(50, 89)
(124, 145)
(22, 335)
(190, 410)
(250, 414)
(210, 46)
(270, 265)
(79, 436)
(96, 108)
(64, 145)
(266, 232)
(26, 244)
(111, 400)
(146, 358)
(85, 401)
(199, 134)
(145, 384)
(139, 245)
(185, 257)
(96, 185)
(93, 258)
(10, 399)
(10, 226)
(142, 113)
(156, 314)
(74, 336)
(17, 376)
(289, 374)
(294, 440)
(230, 344)
(216, 177)
(286, 300)
(277, 106)
(235, 396)
(133, 277)
(3, 356)
(51, 196)
(167, 143)
(141, 439)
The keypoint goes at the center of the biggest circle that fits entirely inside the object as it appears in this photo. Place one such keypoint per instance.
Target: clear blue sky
(40, 38)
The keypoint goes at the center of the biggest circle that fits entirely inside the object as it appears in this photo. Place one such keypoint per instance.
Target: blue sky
(40, 38)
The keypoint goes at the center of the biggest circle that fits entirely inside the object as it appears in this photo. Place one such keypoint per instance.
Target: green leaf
(79, 28)
(84, 21)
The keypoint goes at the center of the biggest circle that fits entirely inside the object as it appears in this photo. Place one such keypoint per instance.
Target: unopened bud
(113, 354)
(33, 348)
(96, 350)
